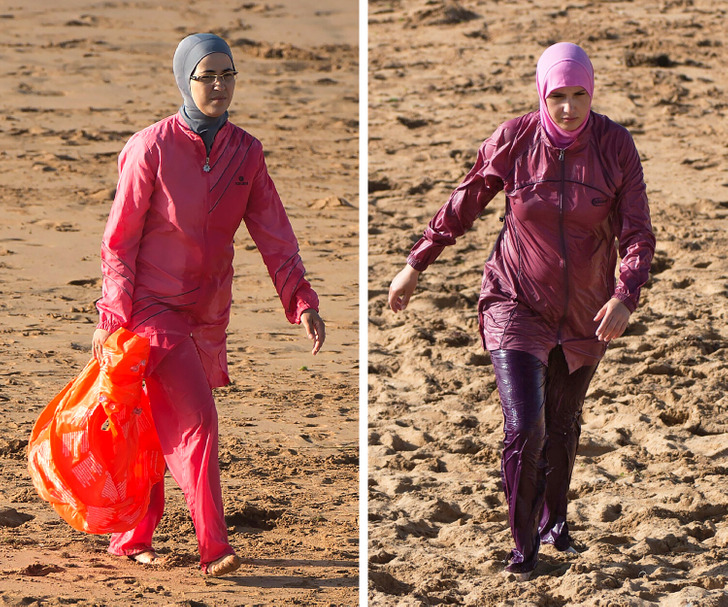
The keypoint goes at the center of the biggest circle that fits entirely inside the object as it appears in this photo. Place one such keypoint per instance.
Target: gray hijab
(188, 54)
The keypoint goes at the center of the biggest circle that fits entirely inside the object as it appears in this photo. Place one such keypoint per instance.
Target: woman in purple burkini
(550, 302)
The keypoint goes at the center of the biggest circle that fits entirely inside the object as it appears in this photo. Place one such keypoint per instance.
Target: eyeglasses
(210, 79)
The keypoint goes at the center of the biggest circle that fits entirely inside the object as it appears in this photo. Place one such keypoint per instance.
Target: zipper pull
(561, 155)
(207, 169)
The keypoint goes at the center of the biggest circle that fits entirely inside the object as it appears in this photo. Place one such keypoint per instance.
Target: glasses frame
(216, 78)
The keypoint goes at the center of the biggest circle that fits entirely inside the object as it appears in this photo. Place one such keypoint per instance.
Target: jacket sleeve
(465, 204)
(123, 233)
(273, 235)
(633, 228)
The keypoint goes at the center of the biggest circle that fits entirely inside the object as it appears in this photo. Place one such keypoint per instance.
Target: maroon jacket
(553, 264)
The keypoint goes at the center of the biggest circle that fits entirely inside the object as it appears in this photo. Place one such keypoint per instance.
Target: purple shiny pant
(541, 422)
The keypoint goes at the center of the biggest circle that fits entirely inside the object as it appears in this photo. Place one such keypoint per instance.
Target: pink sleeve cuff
(304, 301)
(108, 325)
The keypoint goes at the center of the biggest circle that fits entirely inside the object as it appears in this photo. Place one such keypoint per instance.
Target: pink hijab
(562, 64)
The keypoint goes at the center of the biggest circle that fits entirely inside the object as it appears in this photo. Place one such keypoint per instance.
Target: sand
(78, 78)
(649, 496)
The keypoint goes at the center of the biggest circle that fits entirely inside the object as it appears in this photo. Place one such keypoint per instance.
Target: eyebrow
(227, 69)
(557, 92)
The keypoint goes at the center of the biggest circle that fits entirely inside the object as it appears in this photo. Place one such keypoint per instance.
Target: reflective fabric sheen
(552, 267)
(167, 250)
(541, 423)
(521, 380)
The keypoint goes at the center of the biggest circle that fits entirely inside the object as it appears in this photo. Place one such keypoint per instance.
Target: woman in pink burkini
(549, 302)
(185, 185)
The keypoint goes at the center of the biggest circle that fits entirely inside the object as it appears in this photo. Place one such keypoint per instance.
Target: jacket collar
(221, 136)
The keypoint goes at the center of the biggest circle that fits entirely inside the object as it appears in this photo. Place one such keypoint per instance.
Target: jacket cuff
(304, 301)
(416, 264)
(627, 300)
(109, 325)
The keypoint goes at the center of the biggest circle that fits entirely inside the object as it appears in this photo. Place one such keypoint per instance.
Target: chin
(572, 126)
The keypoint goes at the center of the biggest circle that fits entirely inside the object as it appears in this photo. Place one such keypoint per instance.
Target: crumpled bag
(94, 454)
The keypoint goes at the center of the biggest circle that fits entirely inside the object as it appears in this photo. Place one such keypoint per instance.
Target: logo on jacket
(241, 180)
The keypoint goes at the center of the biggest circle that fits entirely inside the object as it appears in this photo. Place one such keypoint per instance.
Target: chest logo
(241, 180)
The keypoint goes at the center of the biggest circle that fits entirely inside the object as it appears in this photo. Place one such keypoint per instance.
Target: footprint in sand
(85, 282)
(449, 14)
(379, 184)
(331, 202)
(660, 263)
(9, 517)
(39, 570)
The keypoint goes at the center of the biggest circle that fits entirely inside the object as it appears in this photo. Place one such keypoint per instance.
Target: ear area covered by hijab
(190, 51)
(562, 64)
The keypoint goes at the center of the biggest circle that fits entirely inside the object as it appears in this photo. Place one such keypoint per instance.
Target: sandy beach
(649, 496)
(79, 77)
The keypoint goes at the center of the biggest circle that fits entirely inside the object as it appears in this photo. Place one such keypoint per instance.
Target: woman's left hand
(97, 343)
(614, 317)
(315, 328)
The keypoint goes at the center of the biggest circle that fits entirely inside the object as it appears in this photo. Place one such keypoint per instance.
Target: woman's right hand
(97, 343)
(402, 288)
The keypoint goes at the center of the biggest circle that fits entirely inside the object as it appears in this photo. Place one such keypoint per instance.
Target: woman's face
(568, 106)
(213, 99)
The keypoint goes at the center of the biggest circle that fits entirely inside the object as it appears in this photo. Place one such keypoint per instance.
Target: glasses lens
(210, 79)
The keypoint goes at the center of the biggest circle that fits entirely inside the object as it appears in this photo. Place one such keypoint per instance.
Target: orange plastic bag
(94, 453)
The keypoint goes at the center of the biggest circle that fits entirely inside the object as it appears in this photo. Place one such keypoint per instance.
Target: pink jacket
(167, 250)
(553, 264)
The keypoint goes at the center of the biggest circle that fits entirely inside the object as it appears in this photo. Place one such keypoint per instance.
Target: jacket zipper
(206, 168)
(563, 243)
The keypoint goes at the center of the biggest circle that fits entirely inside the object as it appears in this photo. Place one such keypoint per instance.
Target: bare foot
(523, 576)
(148, 557)
(223, 565)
